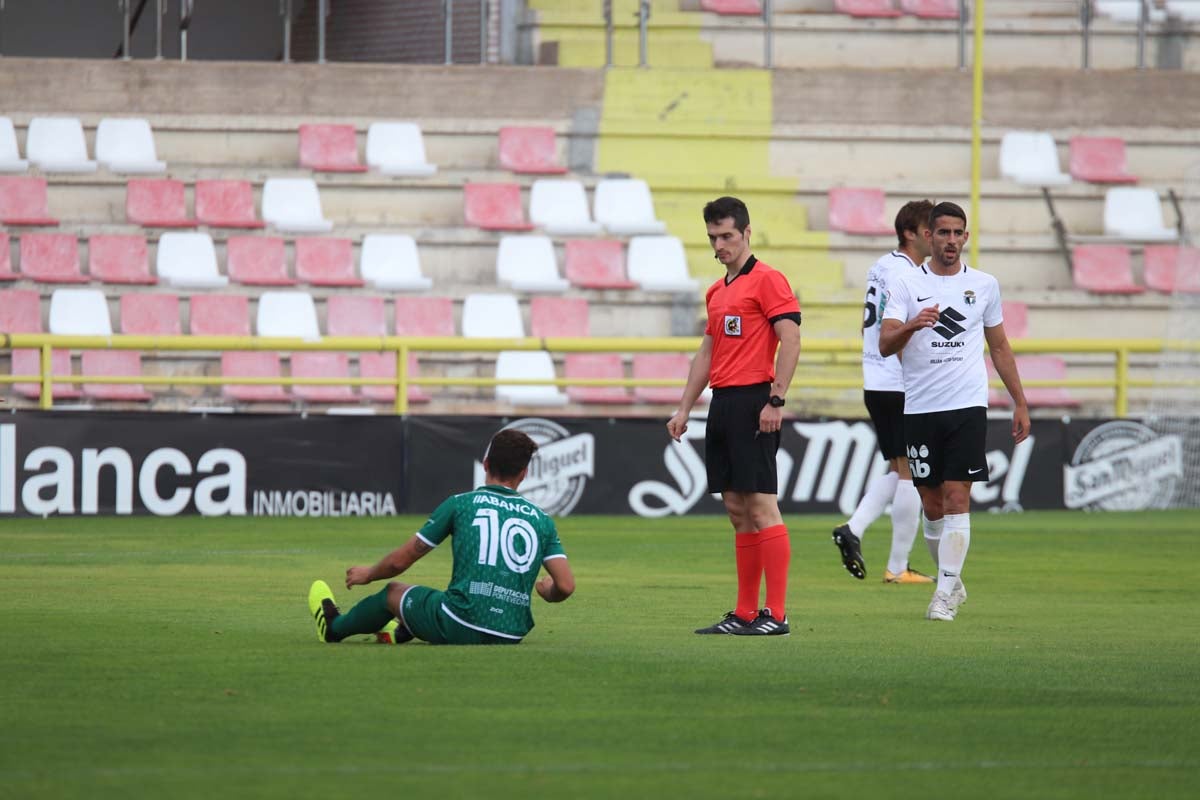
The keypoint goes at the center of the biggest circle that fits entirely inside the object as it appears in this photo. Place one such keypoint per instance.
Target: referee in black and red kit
(748, 355)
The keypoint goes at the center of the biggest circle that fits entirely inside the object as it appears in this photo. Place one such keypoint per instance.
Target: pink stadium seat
(596, 264)
(226, 204)
(157, 203)
(930, 9)
(21, 312)
(1099, 159)
(859, 211)
(1032, 368)
(558, 316)
(6, 270)
(117, 258)
(866, 8)
(23, 202)
(529, 150)
(1016, 319)
(326, 261)
(596, 365)
(321, 365)
(424, 316)
(660, 365)
(113, 363)
(51, 258)
(257, 261)
(330, 148)
(743, 7)
(356, 315)
(253, 364)
(1168, 268)
(220, 315)
(150, 314)
(1104, 269)
(229, 315)
(494, 207)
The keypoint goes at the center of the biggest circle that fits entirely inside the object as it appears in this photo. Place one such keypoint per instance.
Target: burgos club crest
(969, 297)
(559, 471)
(1123, 466)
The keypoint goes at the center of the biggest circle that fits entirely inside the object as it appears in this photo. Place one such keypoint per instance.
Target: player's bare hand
(677, 425)
(770, 419)
(358, 576)
(544, 587)
(927, 317)
(1021, 424)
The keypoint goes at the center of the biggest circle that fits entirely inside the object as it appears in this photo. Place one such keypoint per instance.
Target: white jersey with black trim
(881, 373)
(943, 365)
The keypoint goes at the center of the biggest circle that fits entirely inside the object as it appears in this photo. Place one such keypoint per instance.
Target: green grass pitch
(174, 658)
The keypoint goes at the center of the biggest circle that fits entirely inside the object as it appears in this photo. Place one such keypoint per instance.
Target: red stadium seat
(150, 314)
(113, 363)
(1099, 159)
(51, 258)
(23, 201)
(226, 204)
(529, 150)
(322, 365)
(740, 7)
(157, 203)
(930, 9)
(660, 365)
(859, 211)
(596, 264)
(1016, 319)
(356, 315)
(251, 364)
(118, 258)
(6, 270)
(329, 148)
(1032, 368)
(326, 261)
(21, 312)
(424, 316)
(1168, 268)
(596, 365)
(558, 316)
(866, 8)
(1104, 269)
(220, 315)
(257, 261)
(494, 207)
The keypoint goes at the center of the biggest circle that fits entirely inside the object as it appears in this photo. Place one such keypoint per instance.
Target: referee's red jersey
(740, 315)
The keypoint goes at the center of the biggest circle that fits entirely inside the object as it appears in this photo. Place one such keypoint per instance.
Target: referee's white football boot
(939, 608)
(730, 623)
(765, 624)
(958, 596)
(851, 549)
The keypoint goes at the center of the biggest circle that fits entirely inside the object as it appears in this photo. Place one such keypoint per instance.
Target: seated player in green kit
(500, 539)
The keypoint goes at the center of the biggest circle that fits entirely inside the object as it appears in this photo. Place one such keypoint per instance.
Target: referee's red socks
(768, 552)
(749, 573)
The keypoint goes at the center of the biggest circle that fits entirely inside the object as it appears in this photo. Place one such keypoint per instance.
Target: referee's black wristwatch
(776, 401)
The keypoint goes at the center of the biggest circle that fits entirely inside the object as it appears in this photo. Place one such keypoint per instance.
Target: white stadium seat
(492, 316)
(659, 264)
(559, 207)
(127, 145)
(391, 262)
(624, 206)
(1135, 213)
(528, 364)
(293, 205)
(1030, 158)
(397, 148)
(57, 144)
(290, 313)
(188, 260)
(527, 264)
(79, 312)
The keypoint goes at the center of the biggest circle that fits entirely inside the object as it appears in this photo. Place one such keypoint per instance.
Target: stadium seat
(363, 315)
(320, 364)
(329, 148)
(127, 145)
(57, 144)
(527, 364)
(596, 365)
(559, 206)
(491, 316)
(326, 261)
(1128, 10)
(431, 316)
(220, 315)
(1104, 269)
(157, 203)
(253, 364)
(1168, 268)
(1031, 159)
(257, 261)
(397, 148)
(188, 260)
(866, 8)
(659, 264)
(79, 312)
(6, 270)
(10, 156)
(494, 207)
(527, 264)
(293, 205)
(1016, 318)
(596, 264)
(737, 7)
(150, 314)
(931, 9)
(1033, 368)
(529, 150)
(226, 204)
(390, 262)
(290, 314)
(624, 207)
(21, 312)
(23, 201)
(859, 211)
(1099, 159)
(1135, 213)
(119, 258)
(558, 316)
(51, 258)
(660, 365)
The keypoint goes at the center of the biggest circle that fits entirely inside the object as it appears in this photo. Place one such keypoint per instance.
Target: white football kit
(943, 365)
(881, 373)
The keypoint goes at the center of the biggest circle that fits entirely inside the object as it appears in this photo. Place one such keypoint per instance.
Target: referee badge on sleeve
(733, 325)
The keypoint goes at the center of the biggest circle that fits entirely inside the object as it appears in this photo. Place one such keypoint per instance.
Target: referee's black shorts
(887, 415)
(736, 455)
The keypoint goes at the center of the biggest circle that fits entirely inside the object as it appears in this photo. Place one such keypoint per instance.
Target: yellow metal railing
(1119, 349)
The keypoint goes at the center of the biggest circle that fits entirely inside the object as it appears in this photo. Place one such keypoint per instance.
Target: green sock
(368, 615)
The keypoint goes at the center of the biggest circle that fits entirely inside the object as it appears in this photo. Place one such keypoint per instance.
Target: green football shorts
(422, 610)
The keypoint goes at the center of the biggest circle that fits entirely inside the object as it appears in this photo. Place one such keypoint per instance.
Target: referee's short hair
(947, 210)
(508, 453)
(723, 207)
(911, 217)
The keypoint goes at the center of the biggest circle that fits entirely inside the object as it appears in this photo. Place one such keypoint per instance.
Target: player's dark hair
(723, 207)
(947, 210)
(509, 453)
(911, 217)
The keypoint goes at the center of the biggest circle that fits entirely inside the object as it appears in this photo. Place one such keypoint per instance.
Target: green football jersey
(500, 540)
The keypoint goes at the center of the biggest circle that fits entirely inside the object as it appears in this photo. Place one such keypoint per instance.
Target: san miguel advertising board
(288, 465)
